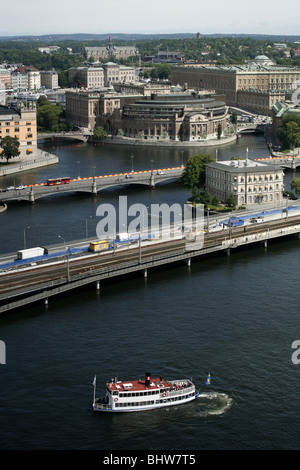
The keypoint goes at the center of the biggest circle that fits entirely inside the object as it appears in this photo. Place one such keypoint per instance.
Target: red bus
(55, 181)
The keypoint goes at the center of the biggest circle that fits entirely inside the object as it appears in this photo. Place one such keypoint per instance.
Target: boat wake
(213, 403)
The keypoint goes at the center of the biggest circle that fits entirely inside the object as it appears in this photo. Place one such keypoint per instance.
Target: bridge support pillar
(94, 187)
(152, 181)
(31, 195)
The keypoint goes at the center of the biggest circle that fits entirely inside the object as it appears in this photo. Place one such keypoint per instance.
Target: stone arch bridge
(94, 185)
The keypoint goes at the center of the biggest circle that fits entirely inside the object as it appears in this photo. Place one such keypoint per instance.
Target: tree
(219, 131)
(100, 133)
(289, 131)
(181, 132)
(48, 115)
(10, 147)
(231, 201)
(295, 185)
(206, 198)
(193, 175)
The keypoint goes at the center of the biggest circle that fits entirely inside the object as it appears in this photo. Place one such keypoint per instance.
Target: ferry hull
(105, 409)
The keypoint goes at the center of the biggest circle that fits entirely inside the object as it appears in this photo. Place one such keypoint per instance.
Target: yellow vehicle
(99, 245)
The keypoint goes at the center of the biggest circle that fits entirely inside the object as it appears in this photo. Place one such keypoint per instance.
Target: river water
(235, 317)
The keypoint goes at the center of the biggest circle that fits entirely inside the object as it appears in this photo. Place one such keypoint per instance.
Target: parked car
(21, 186)
(9, 188)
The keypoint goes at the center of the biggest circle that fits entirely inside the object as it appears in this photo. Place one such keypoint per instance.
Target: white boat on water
(147, 394)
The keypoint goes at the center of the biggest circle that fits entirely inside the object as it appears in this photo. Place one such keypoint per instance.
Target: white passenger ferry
(146, 394)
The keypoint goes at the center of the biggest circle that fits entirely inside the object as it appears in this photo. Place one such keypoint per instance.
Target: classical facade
(162, 117)
(259, 101)
(250, 182)
(102, 76)
(20, 122)
(230, 80)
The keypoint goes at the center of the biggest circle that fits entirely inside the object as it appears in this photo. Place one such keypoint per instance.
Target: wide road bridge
(93, 184)
(35, 281)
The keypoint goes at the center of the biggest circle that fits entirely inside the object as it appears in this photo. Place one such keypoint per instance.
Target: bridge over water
(291, 162)
(64, 135)
(94, 184)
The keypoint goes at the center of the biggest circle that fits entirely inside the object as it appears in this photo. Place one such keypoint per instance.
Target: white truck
(31, 253)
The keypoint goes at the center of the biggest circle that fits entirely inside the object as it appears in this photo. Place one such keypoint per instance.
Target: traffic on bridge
(91, 184)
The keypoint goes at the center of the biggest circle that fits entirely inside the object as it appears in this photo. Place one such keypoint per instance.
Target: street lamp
(25, 238)
(86, 226)
(66, 255)
(132, 157)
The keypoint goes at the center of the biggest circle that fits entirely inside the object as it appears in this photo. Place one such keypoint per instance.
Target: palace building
(254, 86)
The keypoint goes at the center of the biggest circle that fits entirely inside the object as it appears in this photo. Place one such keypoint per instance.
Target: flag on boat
(208, 379)
(94, 381)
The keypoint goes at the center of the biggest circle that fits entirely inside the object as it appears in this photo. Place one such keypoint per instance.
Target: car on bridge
(21, 186)
(160, 172)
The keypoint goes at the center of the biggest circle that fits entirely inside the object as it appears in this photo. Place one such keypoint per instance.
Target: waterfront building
(20, 122)
(231, 80)
(85, 108)
(259, 101)
(250, 182)
(155, 117)
(160, 118)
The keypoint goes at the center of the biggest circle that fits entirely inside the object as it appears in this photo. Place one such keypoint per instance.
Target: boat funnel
(147, 379)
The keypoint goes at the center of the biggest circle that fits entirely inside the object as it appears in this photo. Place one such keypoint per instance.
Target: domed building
(261, 60)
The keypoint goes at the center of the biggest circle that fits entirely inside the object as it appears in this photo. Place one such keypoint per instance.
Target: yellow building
(20, 122)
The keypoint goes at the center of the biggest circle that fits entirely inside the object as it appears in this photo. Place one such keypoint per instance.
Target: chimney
(147, 379)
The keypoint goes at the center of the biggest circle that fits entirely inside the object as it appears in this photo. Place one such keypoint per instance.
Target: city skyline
(170, 16)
